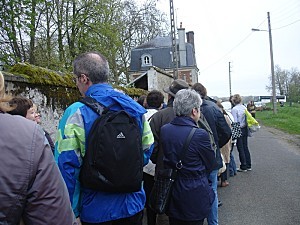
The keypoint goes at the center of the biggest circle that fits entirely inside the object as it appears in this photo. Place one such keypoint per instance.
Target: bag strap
(95, 105)
(185, 147)
(204, 124)
(230, 119)
(150, 118)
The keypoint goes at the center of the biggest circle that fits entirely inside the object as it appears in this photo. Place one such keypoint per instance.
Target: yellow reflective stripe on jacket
(74, 139)
(147, 138)
(71, 133)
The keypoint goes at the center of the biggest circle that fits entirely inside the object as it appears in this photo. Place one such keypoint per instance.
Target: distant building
(279, 98)
(152, 62)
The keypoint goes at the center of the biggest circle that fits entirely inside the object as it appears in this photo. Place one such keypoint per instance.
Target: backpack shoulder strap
(204, 124)
(93, 104)
(150, 118)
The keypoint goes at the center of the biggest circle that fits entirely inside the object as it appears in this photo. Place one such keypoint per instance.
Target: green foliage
(51, 33)
(287, 118)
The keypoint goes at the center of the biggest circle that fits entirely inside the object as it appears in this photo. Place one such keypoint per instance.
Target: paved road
(270, 193)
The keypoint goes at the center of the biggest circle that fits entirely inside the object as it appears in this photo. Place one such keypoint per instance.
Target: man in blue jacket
(222, 133)
(91, 72)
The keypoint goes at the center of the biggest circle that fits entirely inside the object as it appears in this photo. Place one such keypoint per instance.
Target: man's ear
(85, 79)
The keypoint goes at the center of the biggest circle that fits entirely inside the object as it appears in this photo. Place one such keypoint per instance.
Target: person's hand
(78, 221)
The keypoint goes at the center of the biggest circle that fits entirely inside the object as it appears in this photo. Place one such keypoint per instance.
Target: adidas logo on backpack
(113, 161)
(121, 135)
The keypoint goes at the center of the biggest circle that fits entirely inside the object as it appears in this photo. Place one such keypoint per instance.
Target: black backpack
(113, 161)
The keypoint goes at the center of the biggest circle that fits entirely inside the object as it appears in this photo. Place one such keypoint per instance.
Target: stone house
(151, 65)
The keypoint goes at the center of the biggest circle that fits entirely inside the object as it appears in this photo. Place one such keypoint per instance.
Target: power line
(286, 25)
(294, 12)
(276, 13)
(244, 39)
(261, 23)
(285, 12)
(227, 53)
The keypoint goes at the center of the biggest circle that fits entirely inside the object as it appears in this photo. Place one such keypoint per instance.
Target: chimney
(190, 38)
(182, 47)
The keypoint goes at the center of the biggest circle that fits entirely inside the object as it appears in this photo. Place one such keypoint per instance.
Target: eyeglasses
(74, 79)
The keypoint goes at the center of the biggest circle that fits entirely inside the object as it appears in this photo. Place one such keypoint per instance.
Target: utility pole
(274, 98)
(174, 45)
(229, 79)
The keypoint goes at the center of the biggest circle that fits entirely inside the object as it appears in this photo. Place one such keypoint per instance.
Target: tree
(141, 24)
(287, 83)
(10, 24)
(51, 33)
(294, 87)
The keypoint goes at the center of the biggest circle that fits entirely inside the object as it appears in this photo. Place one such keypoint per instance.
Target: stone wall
(51, 100)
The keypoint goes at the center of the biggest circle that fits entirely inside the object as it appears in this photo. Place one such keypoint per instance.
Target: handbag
(162, 189)
(235, 129)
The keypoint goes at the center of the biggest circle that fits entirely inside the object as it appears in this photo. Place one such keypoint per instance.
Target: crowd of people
(38, 188)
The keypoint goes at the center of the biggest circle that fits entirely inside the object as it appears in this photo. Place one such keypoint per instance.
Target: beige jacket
(31, 186)
(225, 150)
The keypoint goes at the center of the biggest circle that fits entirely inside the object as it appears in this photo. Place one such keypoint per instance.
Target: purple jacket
(31, 186)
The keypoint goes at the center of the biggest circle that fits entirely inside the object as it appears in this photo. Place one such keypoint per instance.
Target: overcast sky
(223, 34)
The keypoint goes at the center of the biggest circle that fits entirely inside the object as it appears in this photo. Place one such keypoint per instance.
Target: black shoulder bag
(162, 190)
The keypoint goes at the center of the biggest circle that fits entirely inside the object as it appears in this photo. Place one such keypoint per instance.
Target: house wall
(158, 81)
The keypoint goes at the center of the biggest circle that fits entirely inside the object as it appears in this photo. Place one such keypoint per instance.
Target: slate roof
(157, 42)
(160, 48)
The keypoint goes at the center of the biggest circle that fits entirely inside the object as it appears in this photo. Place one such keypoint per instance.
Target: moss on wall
(39, 75)
(133, 92)
(58, 87)
(43, 76)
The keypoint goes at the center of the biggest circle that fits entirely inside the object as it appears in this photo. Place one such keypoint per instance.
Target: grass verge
(287, 118)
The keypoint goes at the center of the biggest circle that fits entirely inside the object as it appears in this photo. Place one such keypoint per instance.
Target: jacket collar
(107, 95)
(170, 102)
(184, 121)
(94, 89)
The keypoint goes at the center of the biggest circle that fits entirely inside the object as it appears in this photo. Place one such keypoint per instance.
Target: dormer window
(146, 60)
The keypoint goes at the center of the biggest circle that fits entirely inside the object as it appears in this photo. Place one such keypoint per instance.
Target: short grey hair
(185, 101)
(94, 65)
